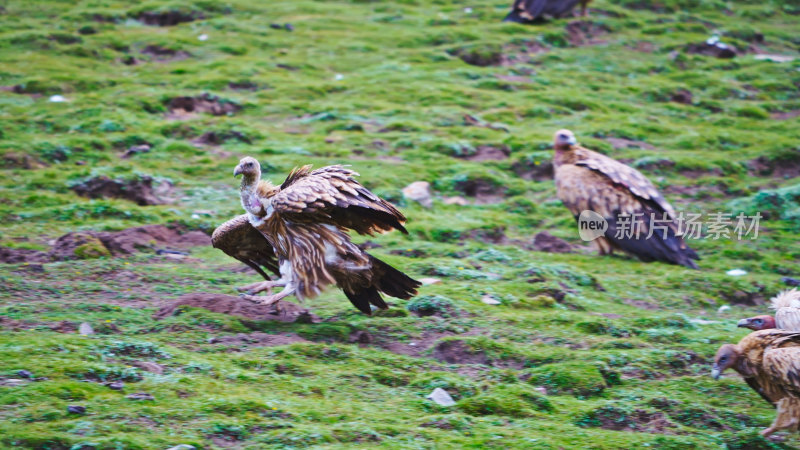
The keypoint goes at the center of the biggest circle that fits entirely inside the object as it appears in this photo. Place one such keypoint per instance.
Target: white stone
(202, 37)
(420, 192)
(57, 99)
(430, 281)
(85, 329)
(723, 308)
(441, 397)
(489, 300)
(736, 272)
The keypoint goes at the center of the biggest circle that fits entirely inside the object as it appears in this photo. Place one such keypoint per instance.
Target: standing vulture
(787, 314)
(527, 11)
(769, 361)
(640, 221)
(304, 222)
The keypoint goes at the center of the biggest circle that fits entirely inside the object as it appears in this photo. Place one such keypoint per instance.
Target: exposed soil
(540, 171)
(243, 86)
(256, 339)
(168, 18)
(458, 352)
(744, 298)
(546, 242)
(683, 96)
(785, 115)
(489, 153)
(619, 143)
(10, 255)
(483, 191)
(182, 107)
(164, 54)
(496, 235)
(779, 169)
(139, 190)
(236, 306)
(415, 347)
(22, 161)
(220, 137)
(640, 420)
(717, 50)
(585, 32)
(643, 46)
(641, 304)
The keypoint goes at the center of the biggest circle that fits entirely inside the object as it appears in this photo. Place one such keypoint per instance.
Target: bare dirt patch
(184, 107)
(779, 169)
(139, 190)
(168, 18)
(640, 421)
(683, 96)
(458, 352)
(257, 339)
(489, 153)
(533, 170)
(642, 304)
(546, 242)
(785, 115)
(236, 306)
(717, 50)
(10, 255)
(22, 161)
(585, 32)
(216, 138)
(164, 54)
(620, 143)
(483, 191)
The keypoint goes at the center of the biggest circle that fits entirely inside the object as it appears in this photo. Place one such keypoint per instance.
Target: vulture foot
(260, 286)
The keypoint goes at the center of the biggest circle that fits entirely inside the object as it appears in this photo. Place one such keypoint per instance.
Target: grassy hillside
(162, 98)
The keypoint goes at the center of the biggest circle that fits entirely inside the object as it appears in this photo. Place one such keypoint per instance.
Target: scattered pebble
(736, 272)
(288, 27)
(57, 99)
(275, 26)
(202, 37)
(723, 308)
(441, 397)
(430, 281)
(140, 396)
(76, 409)
(116, 385)
(420, 192)
(182, 447)
(457, 200)
(489, 300)
(467, 10)
(338, 77)
(25, 374)
(541, 389)
(85, 329)
(12, 382)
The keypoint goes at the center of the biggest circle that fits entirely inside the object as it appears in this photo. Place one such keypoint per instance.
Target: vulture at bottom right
(769, 362)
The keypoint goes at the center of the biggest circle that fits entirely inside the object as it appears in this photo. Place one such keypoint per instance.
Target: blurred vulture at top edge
(527, 11)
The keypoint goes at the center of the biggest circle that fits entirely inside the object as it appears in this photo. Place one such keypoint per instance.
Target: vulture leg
(788, 416)
(260, 286)
(271, 299)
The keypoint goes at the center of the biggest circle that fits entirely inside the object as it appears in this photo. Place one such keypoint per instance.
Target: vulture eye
(758, 321)
(562, 136)
(249, 164)
(723, 359)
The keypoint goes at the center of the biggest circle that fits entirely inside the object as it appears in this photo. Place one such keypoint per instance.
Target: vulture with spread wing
(787, 314)
(299, 231)
(769, 361)
(640, 221)
(527, 11)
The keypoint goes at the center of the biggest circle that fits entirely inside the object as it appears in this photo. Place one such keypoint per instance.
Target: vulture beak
(743, 323)
(715, 372)
(237, 171)
(572, 141)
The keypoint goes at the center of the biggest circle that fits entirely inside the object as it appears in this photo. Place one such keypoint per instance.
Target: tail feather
(363, 299)
(665, 246)
(392, 282)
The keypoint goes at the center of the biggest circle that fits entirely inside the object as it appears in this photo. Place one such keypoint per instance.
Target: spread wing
(239, 240)
(331, 195)
(630, 204)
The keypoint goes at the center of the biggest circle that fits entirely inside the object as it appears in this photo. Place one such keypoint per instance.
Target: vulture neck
(248, 194)
(565, 154)
(249, 183)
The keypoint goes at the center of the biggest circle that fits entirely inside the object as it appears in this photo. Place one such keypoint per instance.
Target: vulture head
(249, 168)
(564, 140)
(757, 323)
(727, 356)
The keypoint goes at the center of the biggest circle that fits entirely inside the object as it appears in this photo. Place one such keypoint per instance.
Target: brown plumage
(527, 11)
(769, 361)
(587, 180)
(787, 313)
(305, 222)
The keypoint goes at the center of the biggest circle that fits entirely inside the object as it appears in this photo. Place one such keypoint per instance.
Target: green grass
(382, 86)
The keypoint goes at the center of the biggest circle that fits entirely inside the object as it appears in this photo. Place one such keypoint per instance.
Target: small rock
(85, 329)
(288, 27)
(275, 26)
(736, 272)
(140, 396)
(430, 281)
(420, 192)
(441, 397)
(25, 374)
(57, 99)
(489, 300)
(723, 308)
(457, 200)
(12, 382)
(202, 37)
(76, 409)
(135, 149)
(546, 242)
(116, 385)
(182, 447)
(541, 389)
(148, 366)
(682, 96)
(789, 281)
(338, 77)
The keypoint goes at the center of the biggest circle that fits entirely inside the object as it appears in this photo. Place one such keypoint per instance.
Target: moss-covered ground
(621, 348)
